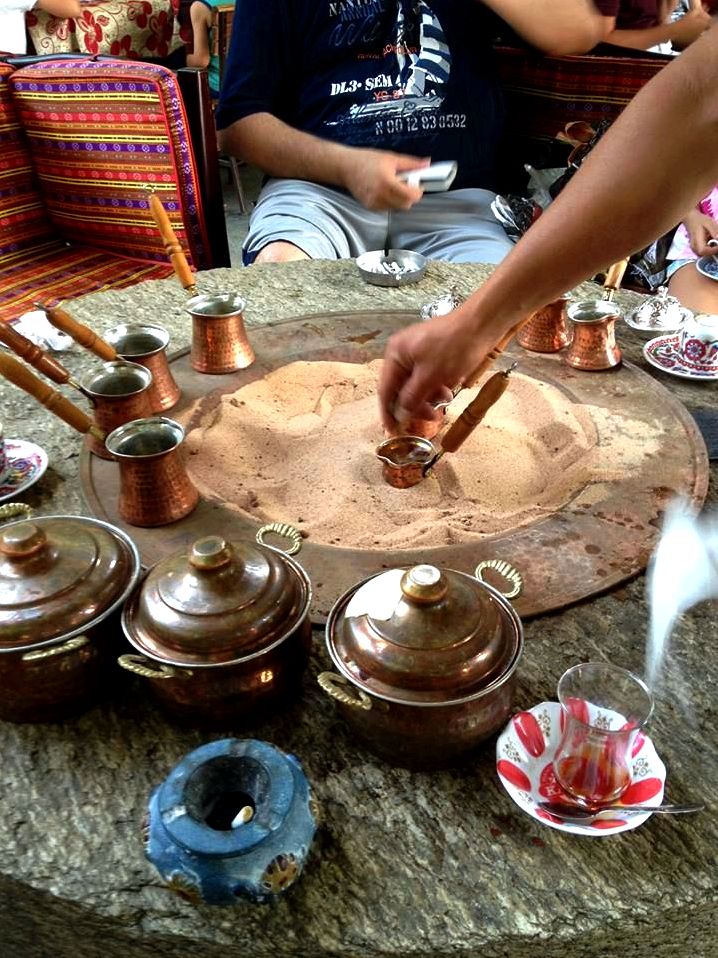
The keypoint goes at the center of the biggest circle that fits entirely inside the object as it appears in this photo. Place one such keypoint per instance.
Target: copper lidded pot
(222, 631)
(426, 659)
(62, 582)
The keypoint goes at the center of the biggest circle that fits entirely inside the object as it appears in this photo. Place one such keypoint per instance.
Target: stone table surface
(405, 863)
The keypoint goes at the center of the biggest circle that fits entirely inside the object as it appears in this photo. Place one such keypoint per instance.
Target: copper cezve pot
(223, 631)
(62, 581)
(426, 660)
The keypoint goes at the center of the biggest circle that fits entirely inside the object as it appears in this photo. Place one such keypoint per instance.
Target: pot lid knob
(23, 540)
(424, 585)
(212, 552)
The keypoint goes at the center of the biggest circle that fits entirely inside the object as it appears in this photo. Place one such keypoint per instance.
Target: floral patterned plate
(26, 462)
(663, 353)
(524, 762)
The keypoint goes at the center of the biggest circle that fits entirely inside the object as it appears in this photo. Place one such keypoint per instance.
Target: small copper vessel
(405, 460)
(547, 330)
(155, 488)
(146, 344)
(219, 339)
(593, 346)
(119, 393)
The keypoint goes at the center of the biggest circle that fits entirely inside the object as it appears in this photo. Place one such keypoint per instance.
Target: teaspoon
(572, 813)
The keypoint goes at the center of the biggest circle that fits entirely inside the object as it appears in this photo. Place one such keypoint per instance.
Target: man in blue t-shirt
(334, 98)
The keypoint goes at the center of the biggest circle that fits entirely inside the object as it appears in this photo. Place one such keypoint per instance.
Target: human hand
(371, 178)
(701, 228)
(690, 26)
(423, 364)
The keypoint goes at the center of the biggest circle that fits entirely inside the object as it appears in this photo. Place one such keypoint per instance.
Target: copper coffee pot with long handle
(144, 344)
(594, 346)
(54, 401)
(219, 340)
(119, 392)
(406, 460)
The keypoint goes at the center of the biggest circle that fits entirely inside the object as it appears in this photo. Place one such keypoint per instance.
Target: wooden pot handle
(34, 355)
(492, 390)
(80, 333)
(21, 376)
(171, 243)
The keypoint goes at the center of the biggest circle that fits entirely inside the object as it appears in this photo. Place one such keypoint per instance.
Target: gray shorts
(325, 223)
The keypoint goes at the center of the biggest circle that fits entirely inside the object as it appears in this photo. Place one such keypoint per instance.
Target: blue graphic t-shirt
(414, 76)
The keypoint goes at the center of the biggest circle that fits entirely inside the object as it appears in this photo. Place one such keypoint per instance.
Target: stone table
(405, 864)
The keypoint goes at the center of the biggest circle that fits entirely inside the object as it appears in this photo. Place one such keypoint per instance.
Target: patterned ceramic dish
(708, 266)
(663, 353)
(26, 463)
(524, 762)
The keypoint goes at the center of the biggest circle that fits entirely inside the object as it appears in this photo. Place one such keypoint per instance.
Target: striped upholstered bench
(80, 141)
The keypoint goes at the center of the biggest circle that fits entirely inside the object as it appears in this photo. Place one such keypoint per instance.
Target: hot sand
(299, 447)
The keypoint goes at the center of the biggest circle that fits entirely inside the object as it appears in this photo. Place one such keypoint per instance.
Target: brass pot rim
(337, 612)
(133, 579)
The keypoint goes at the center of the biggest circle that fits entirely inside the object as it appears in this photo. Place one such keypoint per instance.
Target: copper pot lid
(59, 575)
(424, 635)
(218, 604)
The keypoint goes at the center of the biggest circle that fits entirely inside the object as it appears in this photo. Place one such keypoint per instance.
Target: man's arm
(282, 150)
(559, 27)
(636, 184)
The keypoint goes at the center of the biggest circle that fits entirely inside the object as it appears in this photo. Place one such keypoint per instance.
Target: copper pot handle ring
(508, 572)
(136, 664)
(281, 529)
(69, 646)
(336, 686)
(12, 510)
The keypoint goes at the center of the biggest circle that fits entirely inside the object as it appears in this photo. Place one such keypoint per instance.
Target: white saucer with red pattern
(663, 352)
(524, 762)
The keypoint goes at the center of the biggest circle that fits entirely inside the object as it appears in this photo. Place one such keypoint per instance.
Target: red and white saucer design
(524, 762)
(700, 362)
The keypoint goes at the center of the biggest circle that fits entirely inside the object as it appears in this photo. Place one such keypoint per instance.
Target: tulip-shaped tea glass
(603, 708)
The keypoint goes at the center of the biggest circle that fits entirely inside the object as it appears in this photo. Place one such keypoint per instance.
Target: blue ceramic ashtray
(233, 821)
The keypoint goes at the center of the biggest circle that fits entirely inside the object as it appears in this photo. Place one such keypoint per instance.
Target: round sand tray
(567, 478)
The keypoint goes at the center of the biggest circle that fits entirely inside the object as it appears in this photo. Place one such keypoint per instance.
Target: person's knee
(280, 252)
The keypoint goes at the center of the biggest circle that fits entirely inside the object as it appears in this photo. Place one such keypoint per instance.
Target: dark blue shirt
(406, 75)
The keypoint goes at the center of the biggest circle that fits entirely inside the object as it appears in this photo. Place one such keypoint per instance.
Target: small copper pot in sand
(405, 460)
(119, 392)
(547, 330)
(154, 486)
(593, 346)
(146, 344)
(219, 339)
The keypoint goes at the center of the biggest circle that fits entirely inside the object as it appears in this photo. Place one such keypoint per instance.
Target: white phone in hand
(432, 179)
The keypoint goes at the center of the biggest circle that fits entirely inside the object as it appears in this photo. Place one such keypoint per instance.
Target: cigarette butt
(244, 815)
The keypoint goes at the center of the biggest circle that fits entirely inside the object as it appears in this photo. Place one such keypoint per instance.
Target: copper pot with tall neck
(425, 661)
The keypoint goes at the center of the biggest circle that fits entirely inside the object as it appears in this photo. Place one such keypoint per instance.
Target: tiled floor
(236, 220)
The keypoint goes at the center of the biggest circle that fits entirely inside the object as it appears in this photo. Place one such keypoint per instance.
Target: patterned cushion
(99, 134)
(544, 93)
(24, 223)
(56, 272)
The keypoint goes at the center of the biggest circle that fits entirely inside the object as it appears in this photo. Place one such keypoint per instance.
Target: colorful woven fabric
(23, 220)
(545, 93)
(55, 272)
(99, 134)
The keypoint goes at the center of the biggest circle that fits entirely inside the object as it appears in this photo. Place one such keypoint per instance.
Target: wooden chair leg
(234, 165)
